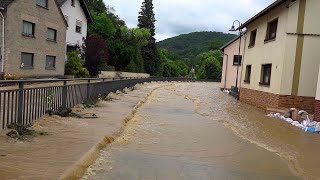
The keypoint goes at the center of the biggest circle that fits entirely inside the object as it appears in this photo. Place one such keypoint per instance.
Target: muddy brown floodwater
(194, 131)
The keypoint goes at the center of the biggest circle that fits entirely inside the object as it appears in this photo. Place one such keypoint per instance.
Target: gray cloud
(176, 17)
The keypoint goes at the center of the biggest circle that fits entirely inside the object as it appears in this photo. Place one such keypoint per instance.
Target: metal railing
(24, 105)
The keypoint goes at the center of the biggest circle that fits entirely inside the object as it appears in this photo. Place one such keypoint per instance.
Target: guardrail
(23, 106)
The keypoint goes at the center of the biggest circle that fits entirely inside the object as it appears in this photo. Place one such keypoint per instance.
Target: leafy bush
(75, 65)
(96, 54)
(209, 65)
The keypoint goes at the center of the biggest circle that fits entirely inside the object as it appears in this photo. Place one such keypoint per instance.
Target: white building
(78, 16)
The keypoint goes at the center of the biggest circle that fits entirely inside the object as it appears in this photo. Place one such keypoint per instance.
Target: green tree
(75, 65)
(147, 20)
(209, 65)
(102, 26)
(171, 67)
(97, 6)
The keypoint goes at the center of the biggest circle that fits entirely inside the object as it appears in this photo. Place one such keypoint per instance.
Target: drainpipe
(2, 49)
(225, 76)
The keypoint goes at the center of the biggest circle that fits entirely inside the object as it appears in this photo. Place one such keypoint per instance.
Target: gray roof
(232, 41)
(84, 6)
(263, 12)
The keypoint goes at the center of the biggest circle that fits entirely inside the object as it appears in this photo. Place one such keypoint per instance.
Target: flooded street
(194, 131)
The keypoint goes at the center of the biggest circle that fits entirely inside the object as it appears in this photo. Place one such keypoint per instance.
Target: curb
(80, 167)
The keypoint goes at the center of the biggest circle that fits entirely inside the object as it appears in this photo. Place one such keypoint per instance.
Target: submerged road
(194, 131)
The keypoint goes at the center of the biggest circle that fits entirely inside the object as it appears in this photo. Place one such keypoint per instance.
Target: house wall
(264, 53)
(310, 54)
(74, 14)
(15, 42)
(283, 54)
(230, 74)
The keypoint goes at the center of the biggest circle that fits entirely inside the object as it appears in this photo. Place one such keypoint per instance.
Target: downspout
(2, 49)
(225, 75)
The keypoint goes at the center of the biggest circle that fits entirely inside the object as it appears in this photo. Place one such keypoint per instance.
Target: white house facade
(78, 17)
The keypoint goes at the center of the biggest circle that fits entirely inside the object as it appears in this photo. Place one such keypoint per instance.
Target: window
(72, 3)
(253, 36)
(28, 29)
(78, 26)
(272, 30)
(52, 34)
(42, 3)
(248, 74)
(26, 60)
(265, 74)
(237, 60)
(50, 62)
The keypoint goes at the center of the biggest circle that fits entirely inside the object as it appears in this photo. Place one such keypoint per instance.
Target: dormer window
(42, 3)
(72, 3)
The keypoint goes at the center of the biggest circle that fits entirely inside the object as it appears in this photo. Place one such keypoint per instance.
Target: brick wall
(266, 100)
(258, 98)
(317, 110)
(298, 102)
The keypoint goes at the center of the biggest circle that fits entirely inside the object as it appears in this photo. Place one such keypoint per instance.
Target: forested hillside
(188, 46)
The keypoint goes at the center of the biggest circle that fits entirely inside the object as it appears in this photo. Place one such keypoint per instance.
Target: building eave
(263, 12)
(84, 7)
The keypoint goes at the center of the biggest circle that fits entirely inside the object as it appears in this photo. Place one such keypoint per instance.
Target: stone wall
(266, 100)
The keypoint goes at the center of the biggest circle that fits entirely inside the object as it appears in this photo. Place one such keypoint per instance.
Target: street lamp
(233, 29)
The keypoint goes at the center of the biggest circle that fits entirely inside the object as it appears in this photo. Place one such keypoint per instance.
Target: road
(194, 131)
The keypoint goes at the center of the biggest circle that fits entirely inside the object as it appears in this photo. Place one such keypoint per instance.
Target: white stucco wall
(264, 53)
(311, 50)
(74, 13)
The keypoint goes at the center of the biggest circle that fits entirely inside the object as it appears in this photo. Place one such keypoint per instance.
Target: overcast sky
(176, 17)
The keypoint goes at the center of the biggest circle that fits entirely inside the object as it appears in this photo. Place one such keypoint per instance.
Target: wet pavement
(194, 131)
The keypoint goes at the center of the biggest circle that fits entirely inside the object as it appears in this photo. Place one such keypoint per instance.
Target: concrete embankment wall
(117, 74)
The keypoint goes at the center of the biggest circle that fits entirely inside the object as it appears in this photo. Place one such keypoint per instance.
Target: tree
(96, 6)
(96, 54)
(74, 65)
(102, 26)
(209, 65)
(147, 20)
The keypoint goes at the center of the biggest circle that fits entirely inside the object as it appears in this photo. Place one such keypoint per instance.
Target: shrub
(75, 65)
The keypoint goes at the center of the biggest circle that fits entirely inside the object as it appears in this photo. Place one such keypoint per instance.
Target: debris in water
(307, 125)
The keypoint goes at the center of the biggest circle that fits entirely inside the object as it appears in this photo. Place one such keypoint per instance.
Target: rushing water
(194, 131)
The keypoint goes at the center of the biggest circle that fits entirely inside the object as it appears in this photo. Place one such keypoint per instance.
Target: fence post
(88, 90)
(20, 103)
(64, 95)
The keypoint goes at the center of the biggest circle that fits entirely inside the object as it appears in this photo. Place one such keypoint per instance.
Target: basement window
(265, 74)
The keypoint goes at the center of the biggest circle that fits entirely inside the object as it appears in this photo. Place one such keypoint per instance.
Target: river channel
(195, 131)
